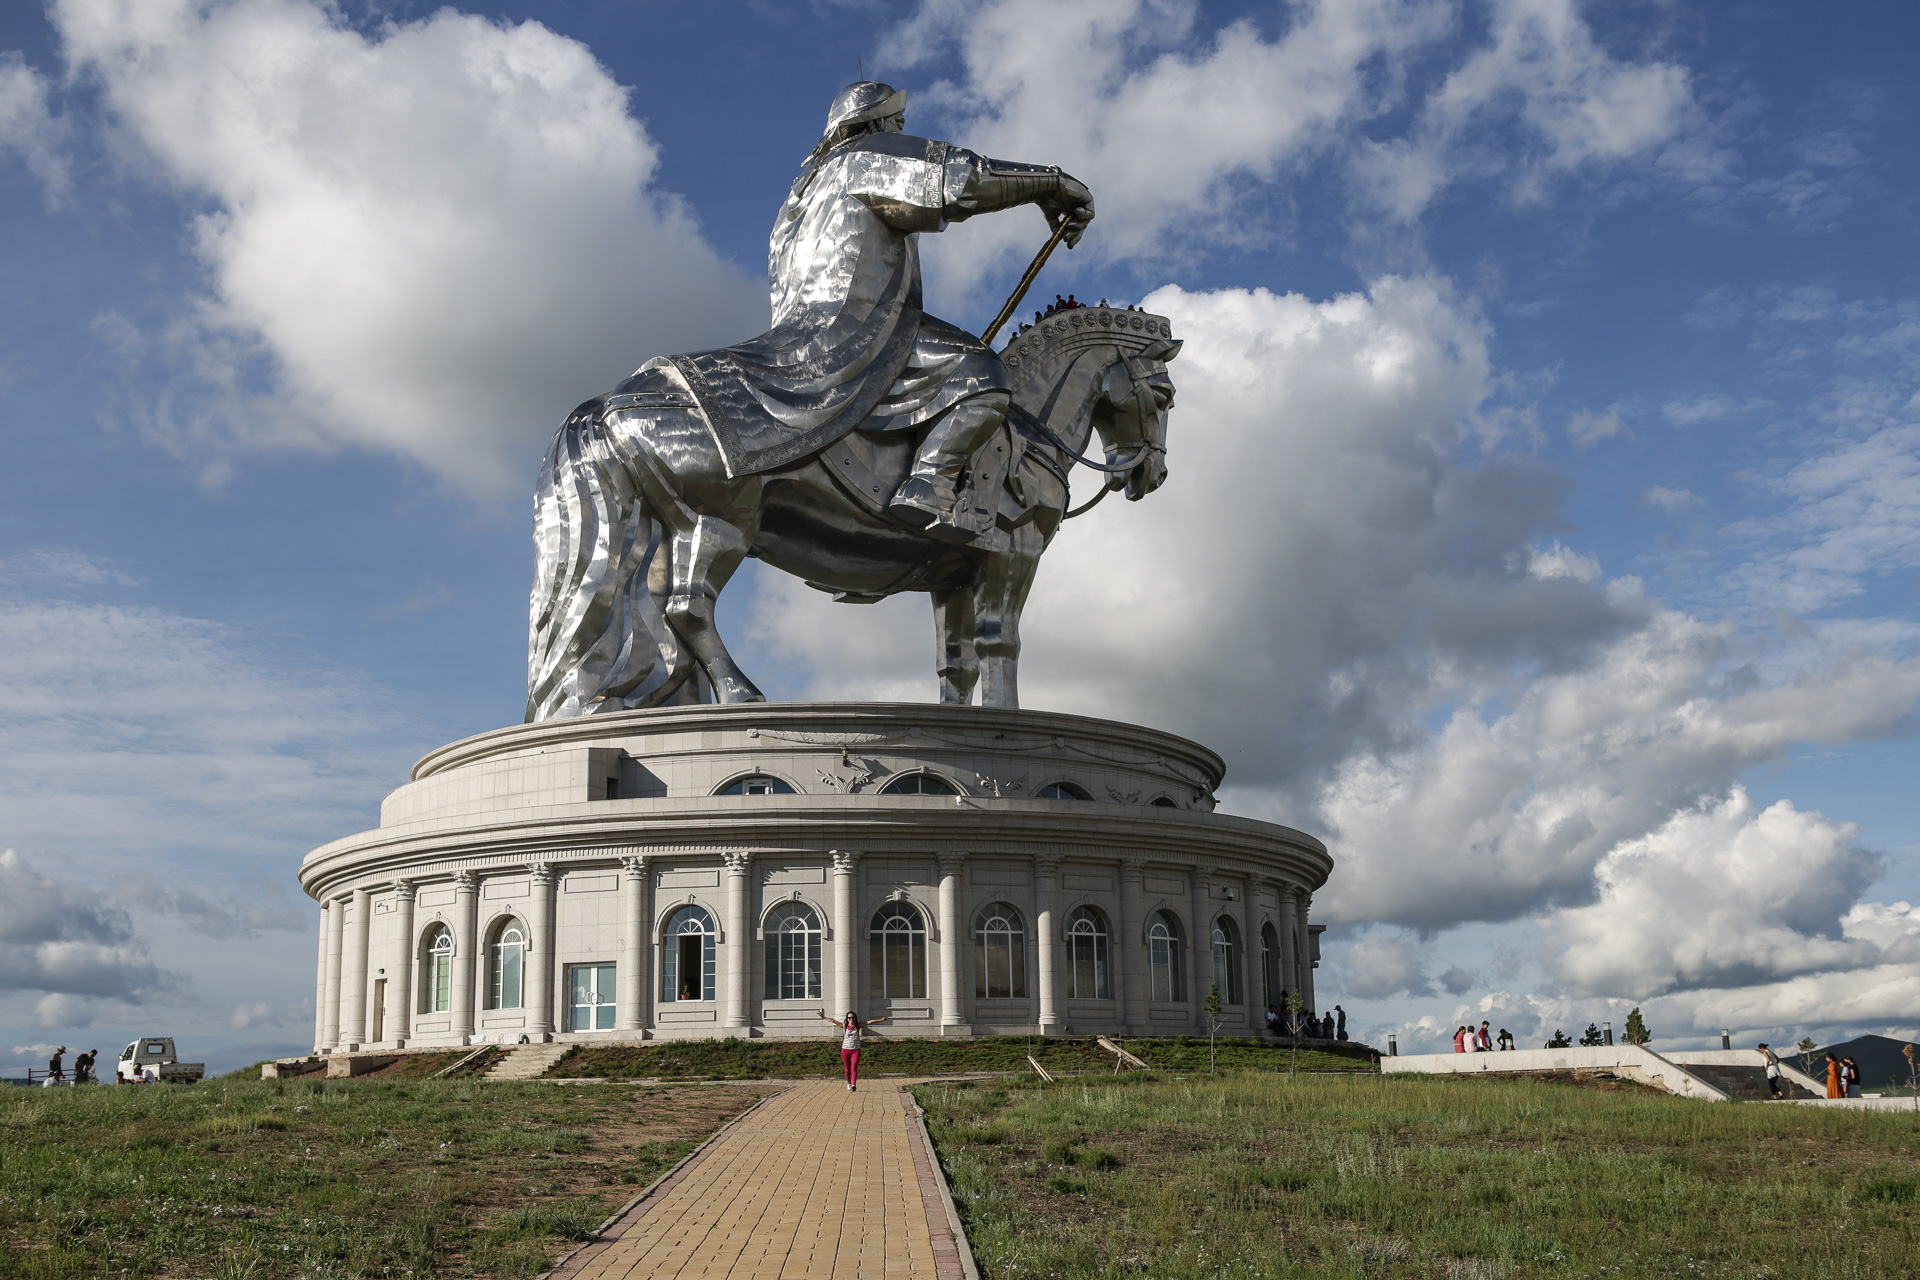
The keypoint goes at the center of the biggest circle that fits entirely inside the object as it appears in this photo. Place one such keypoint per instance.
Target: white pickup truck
(150, 1059)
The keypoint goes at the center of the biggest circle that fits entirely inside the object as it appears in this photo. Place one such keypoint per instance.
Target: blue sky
(1545, 478)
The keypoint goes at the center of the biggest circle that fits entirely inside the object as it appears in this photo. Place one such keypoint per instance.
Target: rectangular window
(999, 966)
(1163, 965)
(793, 964)
(590, 997)
(1088, 966)
(898, 965)
(613, 788)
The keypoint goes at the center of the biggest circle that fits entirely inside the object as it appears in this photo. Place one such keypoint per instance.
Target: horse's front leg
(706, 551)
(959, 666)
(1000, 595)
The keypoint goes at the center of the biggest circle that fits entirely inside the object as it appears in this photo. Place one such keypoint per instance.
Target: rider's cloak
(850, 346)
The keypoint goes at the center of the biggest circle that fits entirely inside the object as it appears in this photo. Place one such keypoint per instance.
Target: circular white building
(703, 871)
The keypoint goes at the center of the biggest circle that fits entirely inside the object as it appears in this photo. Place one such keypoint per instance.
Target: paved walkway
(816, 1183)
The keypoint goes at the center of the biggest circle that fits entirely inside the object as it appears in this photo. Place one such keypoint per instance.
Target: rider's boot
(929, 497)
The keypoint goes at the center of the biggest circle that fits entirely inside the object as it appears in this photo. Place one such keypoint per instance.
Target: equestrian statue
(861, 444)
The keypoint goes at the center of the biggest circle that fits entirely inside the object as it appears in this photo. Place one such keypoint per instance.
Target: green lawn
(750, 1059)
(323, 1179)
(1258, 1175)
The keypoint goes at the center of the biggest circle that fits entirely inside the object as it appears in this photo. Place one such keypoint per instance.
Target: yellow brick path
(816, 1183)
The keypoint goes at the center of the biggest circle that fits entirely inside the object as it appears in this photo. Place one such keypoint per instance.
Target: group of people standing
(1059, 304)
(1469, 1040)
(1843, 1077)
(82, 1067)
(1843, 1074)
(1332, 1027)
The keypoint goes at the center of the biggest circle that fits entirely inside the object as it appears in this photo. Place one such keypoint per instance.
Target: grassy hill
(327, 1180)
(1252, 1176)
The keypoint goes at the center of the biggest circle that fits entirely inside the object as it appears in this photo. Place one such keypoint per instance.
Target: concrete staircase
(1739, 1074)
(527, 1062)
(1745, 1082)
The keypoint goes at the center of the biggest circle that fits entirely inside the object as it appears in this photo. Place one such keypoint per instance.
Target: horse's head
(1138, 392)
(1101, 369)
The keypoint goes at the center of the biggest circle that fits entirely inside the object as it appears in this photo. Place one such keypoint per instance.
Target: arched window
(506, 966)
(436, 971)
(1163, 957)
(758, 784)
(1087, 956)
(897, 953)
(686, 955)
(1269, 966)
(1226, 959)
(1061, 791)
(919, 784)
(793, 952)
(999, 954)
(1161, 802)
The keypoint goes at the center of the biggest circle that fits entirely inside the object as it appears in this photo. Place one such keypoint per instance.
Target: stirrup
(919, 505)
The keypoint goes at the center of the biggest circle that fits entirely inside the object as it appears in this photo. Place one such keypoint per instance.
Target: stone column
(1200, 945)
(1129, 960)
(336, 978)
(466, 953)
(1046, 899)
(1283, 922)
(400, 993)
(633, 981)
(1306, 951)
(538, 995)
(953, 1020)
(845, 988)
(320, 985)
(353, 987)
(737, 951)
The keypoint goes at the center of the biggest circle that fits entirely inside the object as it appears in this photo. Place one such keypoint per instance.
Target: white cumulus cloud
(1724, 894)
(437, 239)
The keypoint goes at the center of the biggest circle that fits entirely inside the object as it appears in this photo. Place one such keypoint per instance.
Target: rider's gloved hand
(1074, 203)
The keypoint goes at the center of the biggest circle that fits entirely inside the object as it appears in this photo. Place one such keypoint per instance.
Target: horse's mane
(1038, 357)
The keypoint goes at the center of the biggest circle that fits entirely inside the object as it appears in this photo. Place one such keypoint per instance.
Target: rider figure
(850, 346)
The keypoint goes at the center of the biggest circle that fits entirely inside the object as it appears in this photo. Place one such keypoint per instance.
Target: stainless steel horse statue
(639, 525)
(860, 443)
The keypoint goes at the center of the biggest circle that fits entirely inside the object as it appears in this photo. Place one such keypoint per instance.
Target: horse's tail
(597, 639)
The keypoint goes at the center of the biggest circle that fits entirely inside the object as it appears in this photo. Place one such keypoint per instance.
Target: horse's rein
(1046, 433)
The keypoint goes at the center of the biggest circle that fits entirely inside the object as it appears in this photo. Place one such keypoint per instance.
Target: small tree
(1806, 1048)
(1913, 1073)
(1591, 1036)
(1215, 1016)
(1559, 1040)
(1637, 1032)
(1295, 1004)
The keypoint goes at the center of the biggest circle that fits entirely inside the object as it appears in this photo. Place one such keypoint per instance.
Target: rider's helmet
(867, 100)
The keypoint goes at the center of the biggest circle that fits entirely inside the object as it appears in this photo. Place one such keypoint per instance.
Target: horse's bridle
(1141, 368)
